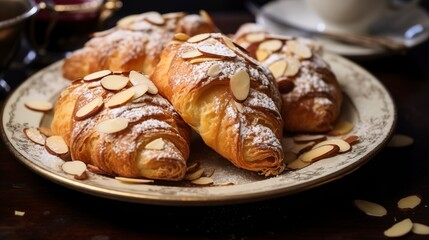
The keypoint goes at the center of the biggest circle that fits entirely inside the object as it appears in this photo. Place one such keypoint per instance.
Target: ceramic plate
(410, 28)
(367, 105)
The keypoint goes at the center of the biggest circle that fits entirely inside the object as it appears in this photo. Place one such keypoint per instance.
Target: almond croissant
(134, 44)
(227, 97)
(311, 94)
(115, 125)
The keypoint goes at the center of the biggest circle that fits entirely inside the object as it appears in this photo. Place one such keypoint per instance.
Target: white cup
(355, 16)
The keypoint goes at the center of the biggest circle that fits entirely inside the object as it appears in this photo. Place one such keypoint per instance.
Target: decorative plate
(368, 106)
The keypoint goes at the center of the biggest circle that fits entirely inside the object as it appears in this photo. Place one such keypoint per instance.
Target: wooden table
(325, 212)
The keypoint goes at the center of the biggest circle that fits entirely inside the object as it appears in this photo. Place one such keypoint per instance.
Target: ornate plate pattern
(368, 106)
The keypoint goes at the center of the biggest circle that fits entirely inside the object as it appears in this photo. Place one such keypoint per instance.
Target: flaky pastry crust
(311, 94)
(123, 153)
(247, 132)
(134, 44)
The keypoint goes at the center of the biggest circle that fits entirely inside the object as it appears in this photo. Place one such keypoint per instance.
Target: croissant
(134, 44)
(310, 91)
(228, 98)
(115, 125)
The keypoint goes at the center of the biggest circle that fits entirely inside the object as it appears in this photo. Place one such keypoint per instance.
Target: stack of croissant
(139, 89)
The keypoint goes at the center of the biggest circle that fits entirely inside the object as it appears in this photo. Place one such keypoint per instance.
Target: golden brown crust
(124, 153)
(134, 44)
(248, 133)
(312, 97)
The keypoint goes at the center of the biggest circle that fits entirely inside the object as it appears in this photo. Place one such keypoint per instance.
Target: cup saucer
(411, 28)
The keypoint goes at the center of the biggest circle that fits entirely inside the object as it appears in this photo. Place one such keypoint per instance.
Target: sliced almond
(261, 54)
(194, 175)
(114, 82)
(120, 98)
(140, 26)
(319, 153)
(285, 86)
(300, 49)
(302, 138)
(353, 139)
(302, 148)
(112, 125)
(193, 167)
(240, 85)
(181, 36)
(56, 145)
(243, 53)
(278, 68)
(214, 70)
(410, 202)
(399, 229)
(209, 173)
(272, 45)
(199, 38)
(97, 75)
(400, 140)
(293, 67)
(137, 78)
(45, 131)
(370, 208)
(191, 54)
(82, 176)
(139, 90)
(204, 59)
(239, 107)
(134, 180)
(203, 181)
(89, 109)
(74, 167)
(254, 37)
(341, 128)
(125, 21)
(156, 144)
(229, 43)
(217, 51)
(420, 229)
(173, 15)
(297, 164)
(19, 213)
(343, 145)
(39, 106)
(35, 136)
(154, 18)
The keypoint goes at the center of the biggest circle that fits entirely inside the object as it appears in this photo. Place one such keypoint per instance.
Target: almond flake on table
(420, 229)
(19, 213)
(410, 202)
(399, 229)
(370, 208)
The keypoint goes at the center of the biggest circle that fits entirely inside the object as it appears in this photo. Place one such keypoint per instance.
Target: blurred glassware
(14, 14)
(65, 25)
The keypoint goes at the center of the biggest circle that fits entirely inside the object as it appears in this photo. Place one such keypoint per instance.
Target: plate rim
(177, 200)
